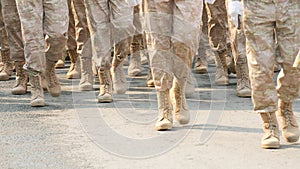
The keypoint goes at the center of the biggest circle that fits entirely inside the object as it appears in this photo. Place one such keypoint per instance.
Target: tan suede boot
(288, 122)
(190, 86)
(105, 95)
(135, 65)
(74, 71)
(118, 75)
(7, 69)
(61, 62)
(221, 69)
(53, 84)
(165, 119)
(150, 81)
(200, 67)
(178, 98)
(243, 81)
(86, 81)
(37, 93)
(21, 79)
(271, 136)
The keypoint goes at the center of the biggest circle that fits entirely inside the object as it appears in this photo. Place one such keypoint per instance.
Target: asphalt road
(75, 132)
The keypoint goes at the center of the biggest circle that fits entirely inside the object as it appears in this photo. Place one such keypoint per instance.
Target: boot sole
(18, 92)
(292, 139)
(135, 73)
(40, 103)
(222, 83)
(274, 146)
(200, 71)
(72, 76)
(105, 101)
(163, 128)
(244, 95)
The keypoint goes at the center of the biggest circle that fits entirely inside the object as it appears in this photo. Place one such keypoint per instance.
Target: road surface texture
(75, 132)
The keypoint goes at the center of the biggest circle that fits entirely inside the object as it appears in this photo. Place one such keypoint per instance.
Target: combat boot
(74, 71)
(150, 81)
(165, 119)
(288, 121)
(200, 67)
(37, 93)
(144, 58)
(230, 64)
(86, 81)
(221, 69)
(190, 86)
(61, 62)
(21, 79)
(243, 81)
(178, 98)
(135, 67)
(53, 84)
(7, 69)
(105, 95)
(118, 75)
(271, 130)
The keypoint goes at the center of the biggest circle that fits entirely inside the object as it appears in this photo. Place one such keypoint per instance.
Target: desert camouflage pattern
(44, 26)
(238, 41)
(260, 19)
(3, 35)
(172, 31)
(217, 25)
(78, 32)
(110, 23)
(13, 29)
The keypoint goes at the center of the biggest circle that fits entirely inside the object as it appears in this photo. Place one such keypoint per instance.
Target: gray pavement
(73, 131)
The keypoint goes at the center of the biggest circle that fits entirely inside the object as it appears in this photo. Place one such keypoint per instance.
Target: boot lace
(288, 115)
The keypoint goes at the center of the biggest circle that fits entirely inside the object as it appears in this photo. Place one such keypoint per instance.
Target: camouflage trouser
(260, 19)
(44, 28)
(137, 42)
(110, 23)
(3, 36)
(238, 42)
(217, 25)
(13, 29)
(172, 31)
(204, 45)
(78, 32)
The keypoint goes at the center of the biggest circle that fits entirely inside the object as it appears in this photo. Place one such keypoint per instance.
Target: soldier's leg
(158, 16)
(185, 42)
(71, 42)
(6, 69)
(261, 60)
(84, 48)
(217, 33)
(99, 26)
(31, 17)
(13, 27)
(123, 31)
(238, 46)
(288, 30)
(56, 22)
(135, 67)
(201, 63)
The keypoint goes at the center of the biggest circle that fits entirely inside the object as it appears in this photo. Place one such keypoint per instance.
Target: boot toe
(291, 135)
(37, 103)
(163, 125)
(270, 143)
(106, 98)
